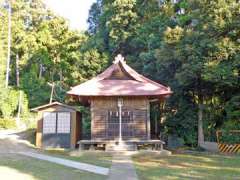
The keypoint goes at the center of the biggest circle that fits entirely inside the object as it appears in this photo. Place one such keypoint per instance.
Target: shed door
(56, 129)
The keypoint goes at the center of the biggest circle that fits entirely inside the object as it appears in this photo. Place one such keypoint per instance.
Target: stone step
(121, 147)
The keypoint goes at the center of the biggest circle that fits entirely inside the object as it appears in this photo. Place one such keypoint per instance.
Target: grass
(18, 167)
(151, 166)
(99, 158)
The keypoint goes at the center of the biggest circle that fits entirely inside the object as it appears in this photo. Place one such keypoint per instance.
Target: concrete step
(121, 147)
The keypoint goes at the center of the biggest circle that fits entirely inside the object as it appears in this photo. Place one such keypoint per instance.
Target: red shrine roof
(120, 80)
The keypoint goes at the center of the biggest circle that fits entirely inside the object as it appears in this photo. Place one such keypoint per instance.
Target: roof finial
(118, 58)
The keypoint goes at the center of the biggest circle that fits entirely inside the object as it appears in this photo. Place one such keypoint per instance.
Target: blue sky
(76, 11)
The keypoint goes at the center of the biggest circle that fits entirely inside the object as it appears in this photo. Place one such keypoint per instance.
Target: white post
(9, 43)
(120, 123)
(120, 104)
(51, 96)
(19, 109)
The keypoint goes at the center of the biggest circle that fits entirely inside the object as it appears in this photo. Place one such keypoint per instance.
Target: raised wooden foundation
(129, 145)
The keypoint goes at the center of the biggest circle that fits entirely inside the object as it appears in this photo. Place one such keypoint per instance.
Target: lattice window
(49, 123)
(127, 117)
(63, 123)
(113, 129)
(127, 130)
(127, 124)
(113, 117)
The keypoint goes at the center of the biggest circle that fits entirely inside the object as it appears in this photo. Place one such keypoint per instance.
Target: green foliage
(86, 121)
(30, 121)
(8, 102)
(229, 137)
(121, 23)
(233, 108)
(93, 17)
(7, 123)
(37, 90)
(49, 52)
(231, 125)
(183, 121)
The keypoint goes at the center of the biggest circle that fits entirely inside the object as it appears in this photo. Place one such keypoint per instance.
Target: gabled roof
(53, 104)
(132, 84)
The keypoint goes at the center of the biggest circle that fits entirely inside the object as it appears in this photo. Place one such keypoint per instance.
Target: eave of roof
(118, 88)
(53, 104)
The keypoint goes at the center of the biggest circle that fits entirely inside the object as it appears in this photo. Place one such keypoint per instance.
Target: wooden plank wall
(99, 114)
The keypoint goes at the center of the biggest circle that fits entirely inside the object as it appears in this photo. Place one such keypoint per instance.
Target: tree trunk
(60, 75)
(17, 70)
(40, 71)
(200, 124)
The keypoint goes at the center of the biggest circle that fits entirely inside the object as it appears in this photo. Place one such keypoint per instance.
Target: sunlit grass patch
(187, 166)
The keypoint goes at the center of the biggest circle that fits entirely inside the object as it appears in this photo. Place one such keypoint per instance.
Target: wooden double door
(128, 128)
(56, 129)
(105, 124)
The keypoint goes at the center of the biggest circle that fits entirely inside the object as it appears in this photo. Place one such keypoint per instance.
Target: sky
(76, 11)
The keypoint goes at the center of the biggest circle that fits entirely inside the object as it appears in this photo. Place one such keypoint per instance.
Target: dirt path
(12, 142)
(122, 167)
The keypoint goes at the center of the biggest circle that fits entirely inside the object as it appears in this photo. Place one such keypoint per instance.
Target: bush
(30, 121)
(229, 137)
(7, 124)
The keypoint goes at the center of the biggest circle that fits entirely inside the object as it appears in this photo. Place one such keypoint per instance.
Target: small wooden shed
(58, 126)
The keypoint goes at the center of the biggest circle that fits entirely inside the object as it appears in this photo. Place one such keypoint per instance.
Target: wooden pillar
(73, 130)
(92, 119)
(39, 130)
(148, 121)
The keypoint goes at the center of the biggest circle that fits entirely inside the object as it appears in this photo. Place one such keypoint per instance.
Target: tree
(93, 17)
(44, 50)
